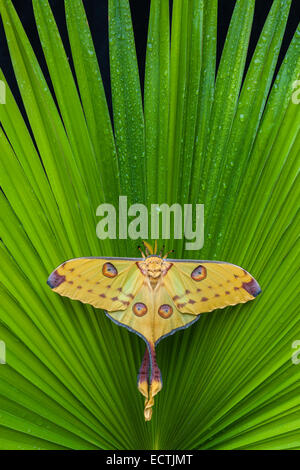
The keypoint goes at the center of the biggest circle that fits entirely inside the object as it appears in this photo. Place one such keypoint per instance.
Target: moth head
(153, 265)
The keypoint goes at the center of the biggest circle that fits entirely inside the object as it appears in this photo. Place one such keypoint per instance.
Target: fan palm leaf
(228, 139)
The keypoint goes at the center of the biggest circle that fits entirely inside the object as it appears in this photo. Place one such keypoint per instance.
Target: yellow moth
(153, 296)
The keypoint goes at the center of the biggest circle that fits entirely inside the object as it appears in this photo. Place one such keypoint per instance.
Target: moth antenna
(139, 248)
(166, 255)
(155, 247)
(162, 250)
(148, 248)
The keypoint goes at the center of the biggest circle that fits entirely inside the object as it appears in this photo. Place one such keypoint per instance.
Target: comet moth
(153, 296)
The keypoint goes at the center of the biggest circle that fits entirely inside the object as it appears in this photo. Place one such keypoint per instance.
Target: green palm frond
(229, 139)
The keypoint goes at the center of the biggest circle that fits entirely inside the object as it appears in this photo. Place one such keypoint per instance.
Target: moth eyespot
(109, 270)
(165, 311)
(199, 273)
(139, 309)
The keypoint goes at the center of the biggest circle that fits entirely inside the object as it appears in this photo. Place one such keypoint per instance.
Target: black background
(207, 458)
(97, 16)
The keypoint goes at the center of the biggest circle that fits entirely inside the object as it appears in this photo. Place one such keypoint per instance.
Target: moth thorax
(154, 267)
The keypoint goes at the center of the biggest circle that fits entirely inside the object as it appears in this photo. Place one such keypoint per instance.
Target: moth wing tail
(143, 376)
(155, 383)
